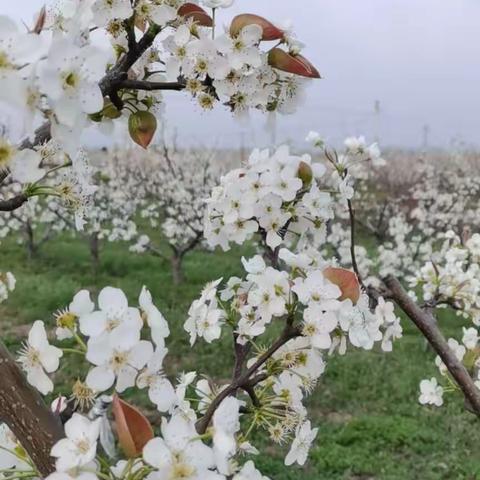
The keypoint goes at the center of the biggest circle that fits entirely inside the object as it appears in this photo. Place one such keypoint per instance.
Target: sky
(405, 72)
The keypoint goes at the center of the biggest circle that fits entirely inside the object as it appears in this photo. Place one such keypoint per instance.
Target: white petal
(100, 378)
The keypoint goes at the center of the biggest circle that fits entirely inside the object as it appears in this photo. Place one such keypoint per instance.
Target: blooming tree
(292, 307)
(171, 188)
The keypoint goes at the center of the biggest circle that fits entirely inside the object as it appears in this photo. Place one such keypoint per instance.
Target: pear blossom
(179, 453)
(249, 472)
(304, 436)
(156, 321)
(38, 357)
(118, 357)
(67, 319)
(79, 446)
(113, 313)
(104, 11)
(431, 393)
(160, 390)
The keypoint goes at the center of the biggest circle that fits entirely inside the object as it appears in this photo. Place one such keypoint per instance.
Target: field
(371, 425)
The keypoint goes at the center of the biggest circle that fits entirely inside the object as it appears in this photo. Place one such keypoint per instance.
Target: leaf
(270, 31)
(197, 13)
(297, 64)
(142, 126)
(133, 429)
(346, 280)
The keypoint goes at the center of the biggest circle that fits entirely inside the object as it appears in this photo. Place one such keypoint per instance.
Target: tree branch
(243, 380)
(426, 323)
(146, 85)
(351, 214)
(23, 410)
(13, 203)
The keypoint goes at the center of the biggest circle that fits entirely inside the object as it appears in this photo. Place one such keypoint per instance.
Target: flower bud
(270, 31)
(142, 126)
(297, 64)
(304, 173)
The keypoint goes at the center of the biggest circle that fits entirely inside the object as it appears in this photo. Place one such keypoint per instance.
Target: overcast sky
(420, 59)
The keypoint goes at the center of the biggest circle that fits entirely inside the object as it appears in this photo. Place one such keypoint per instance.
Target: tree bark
(177, 270)
(25, 413)
(94, 252)
(30, 241)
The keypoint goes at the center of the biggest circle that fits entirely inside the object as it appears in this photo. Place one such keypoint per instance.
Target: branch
(13, 203)
(426, 323)
(243, 381)
(351, 214)
(23, 410)
(146, 85)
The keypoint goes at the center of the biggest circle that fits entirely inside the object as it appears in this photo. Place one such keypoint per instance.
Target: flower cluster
(276, 195)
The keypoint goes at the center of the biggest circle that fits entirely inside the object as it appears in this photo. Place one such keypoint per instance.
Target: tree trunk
(23, 410)
(177, 270)
(30, 243)
(94, 245)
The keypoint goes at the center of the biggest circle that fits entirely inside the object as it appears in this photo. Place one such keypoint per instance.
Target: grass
(370, 424)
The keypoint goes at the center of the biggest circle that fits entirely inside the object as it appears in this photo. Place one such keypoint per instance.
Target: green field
(371, 426)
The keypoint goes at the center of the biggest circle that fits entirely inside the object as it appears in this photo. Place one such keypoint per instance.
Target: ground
(370, 423)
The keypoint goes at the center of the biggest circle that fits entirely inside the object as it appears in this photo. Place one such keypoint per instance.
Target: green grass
(370, 424)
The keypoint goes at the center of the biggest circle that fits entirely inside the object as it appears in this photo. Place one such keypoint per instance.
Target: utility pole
(376, 126)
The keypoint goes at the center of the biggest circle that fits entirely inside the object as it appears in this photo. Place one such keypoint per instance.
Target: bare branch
(351, 214)
(242, 382)
(13, 203)
(146, 85)
(426, 323)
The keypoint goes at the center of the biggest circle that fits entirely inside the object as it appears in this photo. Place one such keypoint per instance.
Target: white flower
(106, 10)
(80, 445)
(315, 288)
(114, 313)
(69, 77)
(459, 351)
(385, 311)
(226, 424)
(38, 356)
(431, 393)
(9, 443)
(67, 319)
(160, 390)
(249, 472)
(470, 337)
(318, 325)
(22, 164)
(304, 436)
(315, 139)
(242, 50)
(255, 264)
(119, 356)
(156, 321)
(179, 454)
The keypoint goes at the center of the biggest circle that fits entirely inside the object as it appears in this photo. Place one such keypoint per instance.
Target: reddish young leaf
(287, 62)
(270, 31)
(133, 429)
(142, 126)
(346, 280)
(199, 15)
